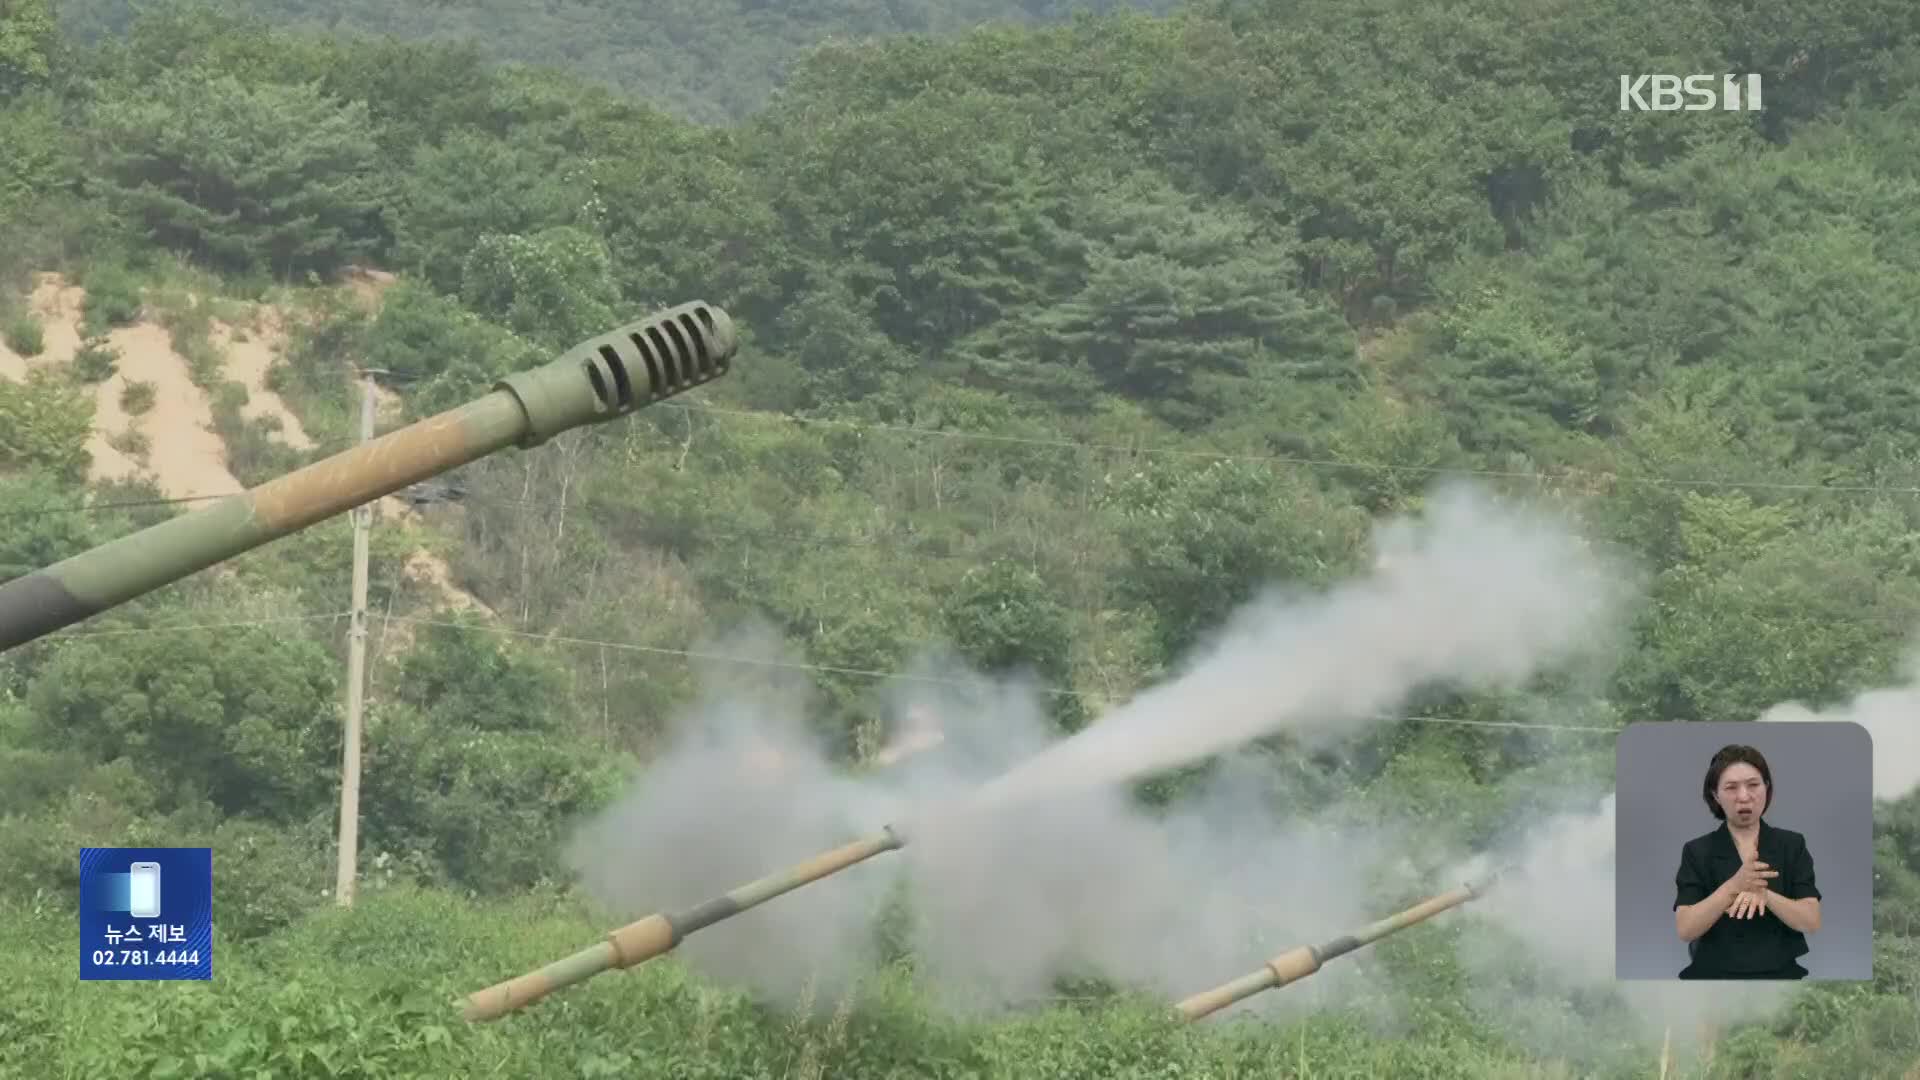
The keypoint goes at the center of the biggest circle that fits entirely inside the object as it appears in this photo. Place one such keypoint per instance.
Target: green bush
(45, 423)
(256, 451)
(24, 335)
(113, 299)
(134, 444)
(137, 397)
(96, 360)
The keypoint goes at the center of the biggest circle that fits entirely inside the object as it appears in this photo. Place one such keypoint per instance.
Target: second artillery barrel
(657, 934)
(1297, 964)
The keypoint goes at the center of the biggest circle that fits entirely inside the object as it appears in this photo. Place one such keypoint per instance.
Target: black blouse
(1761, 947)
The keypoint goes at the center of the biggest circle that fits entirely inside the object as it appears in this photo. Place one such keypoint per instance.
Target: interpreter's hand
(1753, 874)
(1749, 905)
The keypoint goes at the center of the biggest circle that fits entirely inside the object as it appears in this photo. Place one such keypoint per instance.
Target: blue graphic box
(146, 913)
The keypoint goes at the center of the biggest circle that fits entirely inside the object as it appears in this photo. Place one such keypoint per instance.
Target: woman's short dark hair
(1729, 756)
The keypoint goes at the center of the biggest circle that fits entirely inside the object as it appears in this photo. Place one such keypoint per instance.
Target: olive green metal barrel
(656, 935)
(597, 380)
(1297, 964)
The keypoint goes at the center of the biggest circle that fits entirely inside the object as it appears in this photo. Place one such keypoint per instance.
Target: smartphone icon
(143, 892)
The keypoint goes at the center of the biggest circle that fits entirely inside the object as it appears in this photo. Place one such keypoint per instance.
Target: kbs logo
(1662, 93)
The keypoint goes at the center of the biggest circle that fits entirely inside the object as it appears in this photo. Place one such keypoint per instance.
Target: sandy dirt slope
(183, 455)
(184, 458)
(61, 336)
(249, 357)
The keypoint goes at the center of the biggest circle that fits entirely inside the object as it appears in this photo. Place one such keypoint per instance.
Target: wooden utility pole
(356, 678)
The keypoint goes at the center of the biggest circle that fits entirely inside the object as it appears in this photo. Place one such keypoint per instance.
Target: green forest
(1066, 329)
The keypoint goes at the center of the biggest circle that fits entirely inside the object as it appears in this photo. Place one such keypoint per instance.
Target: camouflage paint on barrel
(657, 934)
(595, 381)
(1297, 964)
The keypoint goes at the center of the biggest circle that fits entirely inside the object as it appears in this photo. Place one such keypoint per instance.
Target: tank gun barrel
(597, 380)
(1297, 964)
(658, 934)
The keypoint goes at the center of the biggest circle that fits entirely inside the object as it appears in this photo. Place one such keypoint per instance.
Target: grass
(374, 992)
(325, 327)
(188, 302)
(255, 452)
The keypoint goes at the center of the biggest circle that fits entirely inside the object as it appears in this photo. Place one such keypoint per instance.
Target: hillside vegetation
(707, 62)
(1060, 343)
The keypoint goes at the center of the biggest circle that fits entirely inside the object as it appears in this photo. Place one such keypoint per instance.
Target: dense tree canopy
(1062, 338)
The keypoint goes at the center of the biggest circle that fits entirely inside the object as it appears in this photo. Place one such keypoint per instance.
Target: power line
(599, 511)
(893, 541)
(124, 631)
(689, 654)
(890, 541)
(627, 646)
(102, 507)
(1282, 459)
(1163, 451)
(897, 540)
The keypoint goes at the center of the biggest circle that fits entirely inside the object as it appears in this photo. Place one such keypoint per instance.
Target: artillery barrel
(1297, 964)
(597, 380)
(656, 935)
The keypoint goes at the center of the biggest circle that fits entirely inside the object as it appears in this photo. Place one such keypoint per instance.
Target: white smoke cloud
(743, 790)
(1555, 900)
(1892, 717)
(1051, 870)
(1478, 595)
(1086, 882)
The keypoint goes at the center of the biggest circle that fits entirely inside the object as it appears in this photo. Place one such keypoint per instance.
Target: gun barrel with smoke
(1474, 593)
(1297, 964)
(657, 934)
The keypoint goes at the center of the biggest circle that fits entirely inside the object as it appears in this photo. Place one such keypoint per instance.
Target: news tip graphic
(146, 913)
